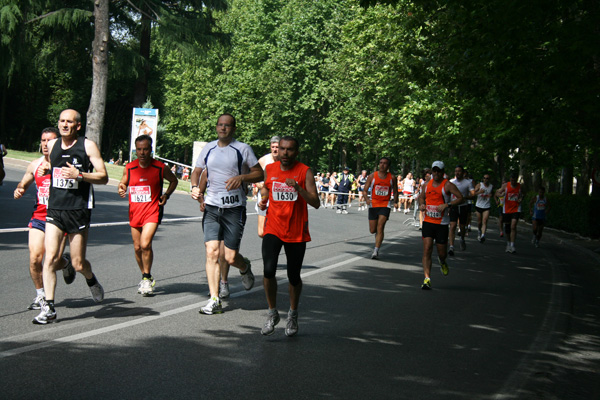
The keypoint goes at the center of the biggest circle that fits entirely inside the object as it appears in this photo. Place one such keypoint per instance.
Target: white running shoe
(375, 254)
(37, 303)
(269, 327)
(344, 211)
(212, 307)
(338, 211)
(146, 287)
(291, 326)
(97, 292)
(507, 248)
(46, 315)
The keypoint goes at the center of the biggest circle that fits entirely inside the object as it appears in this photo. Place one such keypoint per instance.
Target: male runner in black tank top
(69, 209)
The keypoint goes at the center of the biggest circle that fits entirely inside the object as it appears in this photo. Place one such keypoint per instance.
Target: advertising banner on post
(143, 122)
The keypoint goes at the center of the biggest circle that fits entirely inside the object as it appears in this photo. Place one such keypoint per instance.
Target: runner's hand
(122, 190)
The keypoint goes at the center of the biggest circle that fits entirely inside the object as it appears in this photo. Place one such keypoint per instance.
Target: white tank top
(483, 199)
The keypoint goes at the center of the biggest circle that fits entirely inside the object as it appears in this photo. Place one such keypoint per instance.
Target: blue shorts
(37, 224)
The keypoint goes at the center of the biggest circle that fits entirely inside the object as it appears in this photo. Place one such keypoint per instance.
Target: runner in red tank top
(511, 192)
(144, 177)
(38, 171)
(382, 184)
(289, 186)
(434, 200)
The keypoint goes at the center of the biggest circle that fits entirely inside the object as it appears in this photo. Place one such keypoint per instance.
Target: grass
(114, 171)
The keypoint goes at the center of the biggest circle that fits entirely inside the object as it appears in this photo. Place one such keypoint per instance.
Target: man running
(511, 192)
(144, 177)
(459, 213)
(72, 160)
(539, 207)
(38, 171)
(289, 186)
(483, 191)
(362, 180)
(434, 199)
(381, 184)
(229, 166)
(264, 161)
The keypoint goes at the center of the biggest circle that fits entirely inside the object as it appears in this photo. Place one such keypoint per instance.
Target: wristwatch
(80, 177)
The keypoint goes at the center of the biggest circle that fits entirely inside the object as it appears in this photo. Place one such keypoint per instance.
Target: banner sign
(143, 122)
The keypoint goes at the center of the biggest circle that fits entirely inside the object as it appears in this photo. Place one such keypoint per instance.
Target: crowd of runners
(283, 188)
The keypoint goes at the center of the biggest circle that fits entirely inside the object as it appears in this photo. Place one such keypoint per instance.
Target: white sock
(40, 292)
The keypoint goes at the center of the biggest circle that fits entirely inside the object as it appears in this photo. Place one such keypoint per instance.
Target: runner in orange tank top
(381, 184)
(434, 200)
(511, 192)
(289, 187)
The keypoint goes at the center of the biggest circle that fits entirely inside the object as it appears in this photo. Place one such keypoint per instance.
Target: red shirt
(145, 189)
(381, 190)
(511, 199)
(42, 184)
(287, 215)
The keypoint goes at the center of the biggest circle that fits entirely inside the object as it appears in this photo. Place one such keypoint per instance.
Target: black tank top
(68, 194)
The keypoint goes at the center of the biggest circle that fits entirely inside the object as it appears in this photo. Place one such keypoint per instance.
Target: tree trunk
(566, 182)
(141, 85)
(95, 113)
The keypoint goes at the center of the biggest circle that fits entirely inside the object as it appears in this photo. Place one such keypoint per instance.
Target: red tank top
(511, 199)
(42, 184)
(287, 215)
(145, 189)
(434, 196)
(381, 190)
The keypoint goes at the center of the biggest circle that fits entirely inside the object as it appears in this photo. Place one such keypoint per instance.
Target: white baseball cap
(438, 164)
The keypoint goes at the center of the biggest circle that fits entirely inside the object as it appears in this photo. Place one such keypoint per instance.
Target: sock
(511, 244)
(50, 304)
(272, 311)
(40, 292)
(91, 282)
(147, 276)
(376, 249)
(292, 313)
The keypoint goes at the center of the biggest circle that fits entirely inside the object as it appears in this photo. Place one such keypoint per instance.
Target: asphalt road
(500, 326)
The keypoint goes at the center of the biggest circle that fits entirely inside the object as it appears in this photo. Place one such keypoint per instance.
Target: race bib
(43, 194)
(283, 192)
(382, 190)
(230, 199)
(432, 212)
(140, 194)
(61, 182)
(513, 197)
(541, 206)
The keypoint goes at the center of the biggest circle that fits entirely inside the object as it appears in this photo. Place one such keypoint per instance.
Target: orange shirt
(511, 199)
(434, 196)
(287, 215)
(381, 190)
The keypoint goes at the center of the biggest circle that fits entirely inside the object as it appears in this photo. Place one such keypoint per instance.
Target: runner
(408, 189)
(325, 189)
(539, 208)
(511, 192)
(144, 177)
(289, 186)
(402, 198)
(434, 199)
(38, 171)
(362, 180)
(229, 166)
(459, 213)
(382, 184)
(264, 161)
(72, 160)
(344, 182)
(483, 191)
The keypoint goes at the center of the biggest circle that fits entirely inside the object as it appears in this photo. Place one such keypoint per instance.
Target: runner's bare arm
(122, 189)
(27, 180)
(255, 175)
(366, 190)
(169, 176)
(195, 182)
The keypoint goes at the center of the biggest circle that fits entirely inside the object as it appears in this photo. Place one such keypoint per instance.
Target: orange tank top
(381, 190)
(511, 199)
(434, 196)
(287, 215)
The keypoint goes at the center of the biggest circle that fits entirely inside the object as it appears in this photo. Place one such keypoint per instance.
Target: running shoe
(513, 250)
(507, 248)
(46, 315)
(482, 239)
(146, 287)
(451, 251)
(375, 254)
(426, 284)
(248, 276)
(479, 236)
(444, 266)
(533, 240)
(338, 211)
(291, 325)
(212, 307)
(394, 210)
(463, 244)
(69, 273)
(36, 305)
(272, 320)
(537, 244)
(223, 289)
(97, 292)
(344, 211)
